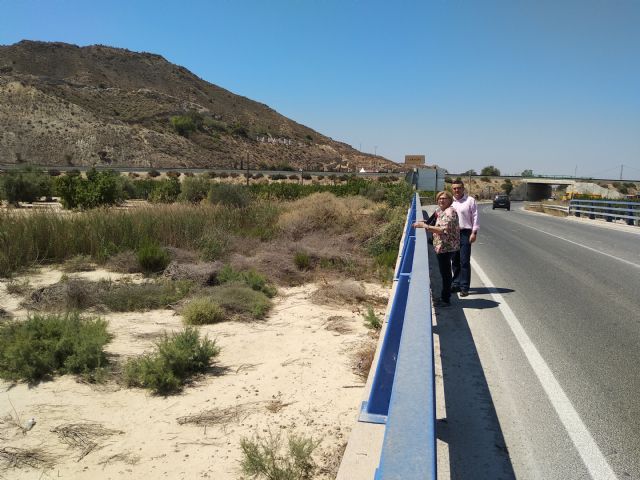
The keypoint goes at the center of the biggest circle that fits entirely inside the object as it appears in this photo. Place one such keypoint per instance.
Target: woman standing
(446, 241)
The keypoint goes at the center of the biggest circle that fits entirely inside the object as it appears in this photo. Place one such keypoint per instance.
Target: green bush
(229, 195)
(99, 188)
(202, 311)
(25, 185)
(152, 258)
(185, 125)
(302, 260)
(267, 458)
(194, 189)
(387, 238)
(175, 359)
(165, 191)
(47, 344)
(214, 245)
(371, 320)
(251, 278)
(240, 299)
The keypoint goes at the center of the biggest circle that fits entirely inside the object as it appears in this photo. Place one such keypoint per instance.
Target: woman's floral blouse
(449, 240)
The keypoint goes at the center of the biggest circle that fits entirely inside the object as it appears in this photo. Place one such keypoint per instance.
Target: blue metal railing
(607, 209)
(403, 389)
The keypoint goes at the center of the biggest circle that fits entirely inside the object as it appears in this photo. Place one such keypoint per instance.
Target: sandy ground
(287, 374)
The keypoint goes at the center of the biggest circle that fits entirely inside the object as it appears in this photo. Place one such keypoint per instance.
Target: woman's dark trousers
(444, 264)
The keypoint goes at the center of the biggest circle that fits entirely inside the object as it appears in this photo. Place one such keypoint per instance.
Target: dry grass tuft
(11, 457)
(274, 406)
(330, 461)
(200, 273)
(362, 359)
(339, 292)
(338, 324)
(124, 262)
(18, 287)
(72, 294)
(322, 212)
(127, 458)
(220, 416)
(79, 263)
(83, 436)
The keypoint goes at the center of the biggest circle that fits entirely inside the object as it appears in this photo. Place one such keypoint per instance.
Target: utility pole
(621, 167)
(375, 159)
(246, 154)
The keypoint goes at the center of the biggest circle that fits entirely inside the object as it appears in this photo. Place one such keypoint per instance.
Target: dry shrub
(322, 212)
(535, 208)
(182, 255)
(275, 262)
(219, 416)
(39, 458)
(18, 287)
(362, 359)
(338, 324)
(124, 262)
(201, 273)
(70, 294)
(339, 292)
(83, 436)
(553, 212)
(79, 263)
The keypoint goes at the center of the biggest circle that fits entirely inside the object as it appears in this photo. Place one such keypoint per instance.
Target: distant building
(414, 160)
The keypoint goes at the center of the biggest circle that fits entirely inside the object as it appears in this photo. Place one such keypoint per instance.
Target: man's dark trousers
(462, 262)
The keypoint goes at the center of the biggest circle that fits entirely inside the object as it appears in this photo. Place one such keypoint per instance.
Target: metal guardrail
(608, 209)
(403, 390)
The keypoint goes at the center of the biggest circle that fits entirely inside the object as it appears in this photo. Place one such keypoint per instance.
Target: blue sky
(552, 86)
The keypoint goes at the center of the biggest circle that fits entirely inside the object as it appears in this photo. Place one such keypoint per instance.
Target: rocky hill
(61, 104)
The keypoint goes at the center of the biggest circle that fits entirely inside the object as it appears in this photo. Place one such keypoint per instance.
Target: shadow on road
(471, 428)
(485, 291)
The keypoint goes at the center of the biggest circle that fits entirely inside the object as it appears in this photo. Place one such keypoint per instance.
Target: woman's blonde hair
(446, 194)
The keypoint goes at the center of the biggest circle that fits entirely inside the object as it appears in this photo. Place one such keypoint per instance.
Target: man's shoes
(441, 303)
(464, 293)
(455, 288)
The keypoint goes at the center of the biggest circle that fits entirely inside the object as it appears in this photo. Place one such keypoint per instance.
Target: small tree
(470, 172)
(490, 171)
(25, 186)
(99, 188)
(165, 191)
(507, 186)
(527, 173)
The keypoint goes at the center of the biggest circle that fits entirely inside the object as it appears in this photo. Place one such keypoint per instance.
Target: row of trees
(107, 187)
(491, 171)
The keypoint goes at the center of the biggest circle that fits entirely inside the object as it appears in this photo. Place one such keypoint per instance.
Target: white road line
(586, 446)
(583, 246)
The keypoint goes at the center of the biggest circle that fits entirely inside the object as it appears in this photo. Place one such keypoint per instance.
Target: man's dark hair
(457, 182)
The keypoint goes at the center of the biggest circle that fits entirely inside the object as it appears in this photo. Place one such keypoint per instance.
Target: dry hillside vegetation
(61, 104)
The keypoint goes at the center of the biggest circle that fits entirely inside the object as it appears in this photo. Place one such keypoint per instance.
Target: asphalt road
(574, 288)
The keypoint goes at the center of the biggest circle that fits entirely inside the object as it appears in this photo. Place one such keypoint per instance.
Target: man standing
(467, 210)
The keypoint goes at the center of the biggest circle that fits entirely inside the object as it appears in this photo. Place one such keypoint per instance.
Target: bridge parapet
(395, 434)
